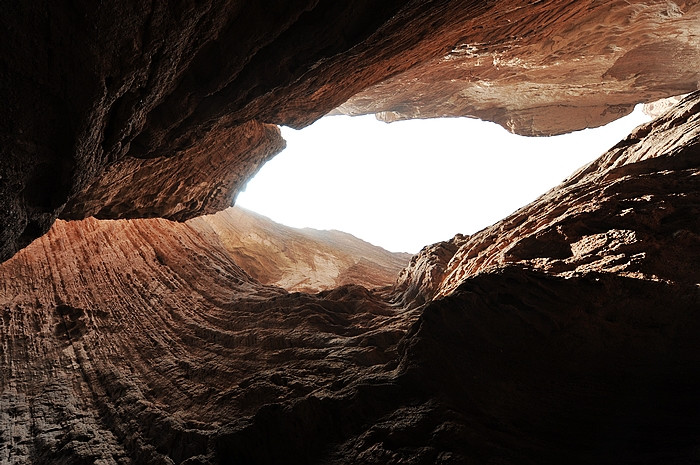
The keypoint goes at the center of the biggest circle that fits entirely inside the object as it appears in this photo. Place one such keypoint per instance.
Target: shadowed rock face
(306, 260)
(90, 91)
(570, 336)
(566, 333)
(205, 179)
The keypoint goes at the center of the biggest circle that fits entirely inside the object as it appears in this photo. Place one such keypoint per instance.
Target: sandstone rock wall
(305, 260)
(89, 88)
(646, 186)
(549, 67)
(199, 181)
(141, 341)
(564, 333)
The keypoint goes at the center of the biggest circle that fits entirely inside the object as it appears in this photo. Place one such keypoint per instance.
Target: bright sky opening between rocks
(411, 183)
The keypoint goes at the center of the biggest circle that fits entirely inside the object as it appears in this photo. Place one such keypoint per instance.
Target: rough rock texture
(548, 67)
(306, 260)
(566, 333)
(88, 88)
(202, 180)
(661, 106)
(647, 186)
(140, 341)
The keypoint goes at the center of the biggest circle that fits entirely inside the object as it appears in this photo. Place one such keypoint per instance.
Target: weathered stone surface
(549, 67)
(633, 212)
(89, 88)
(137, 341)
(199, 181)
(661, 106)
(306, 260)
(565, 333)
(84, 86)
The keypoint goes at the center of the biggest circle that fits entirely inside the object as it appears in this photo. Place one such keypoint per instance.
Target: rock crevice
(142, 341)
(91, 90)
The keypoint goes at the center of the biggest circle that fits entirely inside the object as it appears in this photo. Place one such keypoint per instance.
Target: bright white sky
(408, 184)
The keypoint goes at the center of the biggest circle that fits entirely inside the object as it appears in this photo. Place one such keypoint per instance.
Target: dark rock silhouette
(565, 333)
(141, 341)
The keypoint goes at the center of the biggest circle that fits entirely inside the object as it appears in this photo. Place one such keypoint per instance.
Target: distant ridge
(304, 260)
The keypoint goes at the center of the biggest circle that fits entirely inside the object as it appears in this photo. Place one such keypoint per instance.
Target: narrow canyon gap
(368, 178)
(130, 334)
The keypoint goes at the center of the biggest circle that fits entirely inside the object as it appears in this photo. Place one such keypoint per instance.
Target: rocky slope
(142, 342)
(647, 186)
(306, 260)
(564, 333)
(109, 108)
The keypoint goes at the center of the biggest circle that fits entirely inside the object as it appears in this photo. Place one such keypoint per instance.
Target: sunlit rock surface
(661, 106)
(566, 333)
(632, 212)
(549, 67)
(306, 260)
(110, 109)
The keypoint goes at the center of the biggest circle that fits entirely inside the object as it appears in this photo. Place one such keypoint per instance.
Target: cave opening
(369, 178)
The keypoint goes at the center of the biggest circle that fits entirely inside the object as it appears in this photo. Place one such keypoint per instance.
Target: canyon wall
(565, 333)
(107, 107)
(647, 185)
(304, 260)
(546, 68)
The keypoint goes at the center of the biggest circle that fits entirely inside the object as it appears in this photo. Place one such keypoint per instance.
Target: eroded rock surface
(549, 67)
(306, 260)
(565, 333)
(199, 181)
(90, 91)
(141, 341)
(647, 186)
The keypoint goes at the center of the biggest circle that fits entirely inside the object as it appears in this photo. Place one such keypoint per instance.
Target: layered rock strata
(91, 90)
(546, 67)
(202, 180)
(306, 260)
(647, 186)
(565, 333)
(143, 342)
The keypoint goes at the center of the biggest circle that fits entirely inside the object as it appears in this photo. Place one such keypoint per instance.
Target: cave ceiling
(126, 110)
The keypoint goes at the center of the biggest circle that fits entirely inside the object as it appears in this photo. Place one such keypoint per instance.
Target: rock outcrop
(141, 341)
(90, 91)
(546, 68)
(647, 186)
(306, 260)
(199, 181)
(564, 333)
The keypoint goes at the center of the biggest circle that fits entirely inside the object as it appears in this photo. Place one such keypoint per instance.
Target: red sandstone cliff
(305, 260)
(566, 332)
(108, 108)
